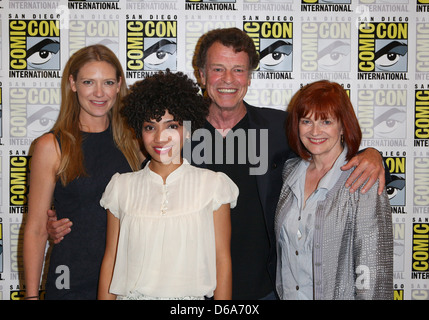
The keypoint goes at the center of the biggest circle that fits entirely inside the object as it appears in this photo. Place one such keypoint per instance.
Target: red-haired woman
(331, 243)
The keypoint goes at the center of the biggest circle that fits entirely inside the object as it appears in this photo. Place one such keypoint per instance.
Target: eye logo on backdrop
(325, 48)
(383, 50)
(382, 114)
(151, 46)
(33, 111)
(34, 48)
(396, 188)
(274, 42)
(275, 55)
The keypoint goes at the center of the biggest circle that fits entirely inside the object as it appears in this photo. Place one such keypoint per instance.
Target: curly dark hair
(148, 99)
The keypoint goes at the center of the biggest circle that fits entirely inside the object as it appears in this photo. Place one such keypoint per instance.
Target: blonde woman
(71, 166)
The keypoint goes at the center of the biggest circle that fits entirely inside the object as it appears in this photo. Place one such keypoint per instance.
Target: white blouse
(166, 243)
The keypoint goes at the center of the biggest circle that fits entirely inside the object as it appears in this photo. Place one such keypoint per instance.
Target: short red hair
(324, 99)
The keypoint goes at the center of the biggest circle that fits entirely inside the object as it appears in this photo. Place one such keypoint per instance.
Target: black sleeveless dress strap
(74, 264)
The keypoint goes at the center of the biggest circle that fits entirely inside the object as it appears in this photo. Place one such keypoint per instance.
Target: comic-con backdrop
(377, 49)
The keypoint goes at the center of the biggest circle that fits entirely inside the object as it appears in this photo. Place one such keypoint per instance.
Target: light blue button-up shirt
(296, 236)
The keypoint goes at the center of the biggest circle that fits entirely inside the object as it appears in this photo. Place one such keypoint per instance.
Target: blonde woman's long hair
(67, 126)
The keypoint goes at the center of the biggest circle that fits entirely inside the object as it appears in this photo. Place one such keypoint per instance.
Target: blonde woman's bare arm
(44, 165)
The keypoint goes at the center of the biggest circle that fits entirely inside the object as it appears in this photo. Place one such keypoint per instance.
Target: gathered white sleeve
(110, 198)
(226, 191)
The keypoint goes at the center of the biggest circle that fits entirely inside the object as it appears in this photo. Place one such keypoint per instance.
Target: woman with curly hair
(168, 230)
(71, 166)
